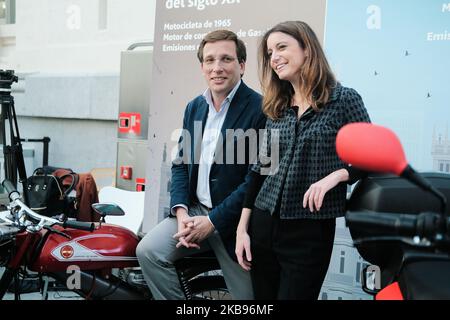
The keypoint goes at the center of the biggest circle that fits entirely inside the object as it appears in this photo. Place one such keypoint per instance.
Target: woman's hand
(242, 251)
(313, 197)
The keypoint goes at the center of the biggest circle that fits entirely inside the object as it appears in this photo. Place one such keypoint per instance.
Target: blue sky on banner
(395, 53)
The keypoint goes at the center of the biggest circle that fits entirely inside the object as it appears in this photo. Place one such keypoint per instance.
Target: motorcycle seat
(131, 202)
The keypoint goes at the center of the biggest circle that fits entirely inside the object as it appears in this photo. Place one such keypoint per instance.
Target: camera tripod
(13, 152)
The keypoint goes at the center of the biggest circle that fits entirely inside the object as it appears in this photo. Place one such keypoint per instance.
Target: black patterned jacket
(307, 153)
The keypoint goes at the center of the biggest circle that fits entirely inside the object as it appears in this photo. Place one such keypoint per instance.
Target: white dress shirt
(211, 134)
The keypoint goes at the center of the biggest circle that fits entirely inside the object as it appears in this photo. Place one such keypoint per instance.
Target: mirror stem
(410, 174)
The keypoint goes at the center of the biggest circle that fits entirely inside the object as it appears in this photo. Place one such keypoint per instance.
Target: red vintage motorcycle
(95, 260)
(400, 224)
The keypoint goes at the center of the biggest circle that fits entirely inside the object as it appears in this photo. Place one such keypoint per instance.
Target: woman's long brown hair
(316, 78)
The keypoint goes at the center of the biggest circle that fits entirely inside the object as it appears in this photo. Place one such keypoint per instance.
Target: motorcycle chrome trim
(82, 253)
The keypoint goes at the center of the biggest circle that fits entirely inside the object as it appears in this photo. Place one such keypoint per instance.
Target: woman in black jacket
(298, 187)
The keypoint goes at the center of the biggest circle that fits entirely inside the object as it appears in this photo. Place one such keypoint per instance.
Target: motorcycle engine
(133, 276)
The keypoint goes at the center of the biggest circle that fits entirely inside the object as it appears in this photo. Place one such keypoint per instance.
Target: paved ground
(52, 295)
(63, 295)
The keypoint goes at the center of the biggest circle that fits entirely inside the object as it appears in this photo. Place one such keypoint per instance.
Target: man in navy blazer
(217, 145)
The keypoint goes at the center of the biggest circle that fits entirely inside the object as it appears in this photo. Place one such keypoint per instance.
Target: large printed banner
(396, 54)
(180, 25)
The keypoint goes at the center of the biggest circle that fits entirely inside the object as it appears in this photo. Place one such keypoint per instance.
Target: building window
(358, 272)
(447, 167)
(2, 10)
(7, 11)
(342, 264)
(102, 14)
(324, 296)
(441, 167)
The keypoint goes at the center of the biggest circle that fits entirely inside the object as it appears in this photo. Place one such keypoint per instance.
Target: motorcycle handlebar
(88, 226)
(15, 196)
(12, 192)
(423, 225)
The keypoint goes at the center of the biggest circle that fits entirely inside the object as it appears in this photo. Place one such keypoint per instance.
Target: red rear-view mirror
(377, 149)
(371, 147)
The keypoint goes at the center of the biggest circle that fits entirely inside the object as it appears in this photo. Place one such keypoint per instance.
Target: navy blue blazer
(227, 180)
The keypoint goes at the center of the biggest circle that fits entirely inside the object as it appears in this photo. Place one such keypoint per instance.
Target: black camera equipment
(13, 152)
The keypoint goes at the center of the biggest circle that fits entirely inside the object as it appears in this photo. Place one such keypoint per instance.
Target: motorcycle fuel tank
(107, 247)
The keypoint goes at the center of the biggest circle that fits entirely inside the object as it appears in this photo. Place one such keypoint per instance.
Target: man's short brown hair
(219, 35)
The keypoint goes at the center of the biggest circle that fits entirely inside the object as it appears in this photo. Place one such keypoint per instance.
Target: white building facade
(67, 56)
